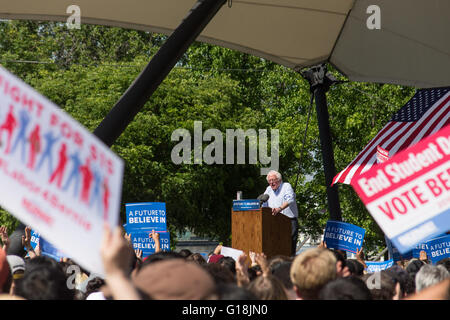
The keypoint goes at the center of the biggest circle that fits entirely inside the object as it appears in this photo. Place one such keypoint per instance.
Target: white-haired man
(282, 200)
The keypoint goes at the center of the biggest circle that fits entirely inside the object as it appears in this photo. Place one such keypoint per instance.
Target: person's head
(16, 266)
(229, 263)
(429, 275)
(159, 256)
(355, 267)
(274, 179)
(403, 278)
(311, 270)
(382, 286)
(41, 261)
(175, 279)
(220, 273)
(231, 291)
(445, 262)
(281, 272)
(44, 283)
(277, 260)
(196, 257)
(348, 288)
(185, 253)
(94, 285)
(341, 263)
(267, 288)
(413, 266)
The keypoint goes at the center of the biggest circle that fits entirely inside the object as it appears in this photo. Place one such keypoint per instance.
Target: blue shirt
(283, 194)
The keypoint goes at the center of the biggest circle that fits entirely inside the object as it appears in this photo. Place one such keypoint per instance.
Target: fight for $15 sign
(409, 195)
(56, 176)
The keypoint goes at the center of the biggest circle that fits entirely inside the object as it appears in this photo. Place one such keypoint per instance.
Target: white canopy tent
(411, 47)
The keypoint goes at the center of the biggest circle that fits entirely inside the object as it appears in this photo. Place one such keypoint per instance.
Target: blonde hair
(311, 270)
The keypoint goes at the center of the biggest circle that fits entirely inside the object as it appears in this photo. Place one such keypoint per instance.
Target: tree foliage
(86, 71)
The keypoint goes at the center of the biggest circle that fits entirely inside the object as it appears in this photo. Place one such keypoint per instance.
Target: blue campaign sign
(438, 248)
(343, 236)
(378, 266)
(34, 239)
(142, 241)
(146, 216)
(47, 249)
(246, 205)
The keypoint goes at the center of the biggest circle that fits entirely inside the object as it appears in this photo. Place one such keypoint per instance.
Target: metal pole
(320, 82)
(151, 77)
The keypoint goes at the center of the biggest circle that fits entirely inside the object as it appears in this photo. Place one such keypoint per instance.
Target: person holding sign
(282, 200)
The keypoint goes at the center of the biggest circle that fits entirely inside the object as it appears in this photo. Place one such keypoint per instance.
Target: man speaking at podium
(282, 200)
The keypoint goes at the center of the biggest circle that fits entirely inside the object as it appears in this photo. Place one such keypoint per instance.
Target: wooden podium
(260, 231)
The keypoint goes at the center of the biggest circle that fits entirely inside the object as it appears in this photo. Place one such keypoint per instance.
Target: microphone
(262, 198)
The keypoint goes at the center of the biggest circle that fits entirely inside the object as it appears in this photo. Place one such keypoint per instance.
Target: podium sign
(245, 205)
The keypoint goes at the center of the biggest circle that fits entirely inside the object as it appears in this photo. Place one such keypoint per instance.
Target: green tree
(86, 71)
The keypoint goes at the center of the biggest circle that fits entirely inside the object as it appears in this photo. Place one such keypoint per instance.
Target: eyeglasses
(272, 180)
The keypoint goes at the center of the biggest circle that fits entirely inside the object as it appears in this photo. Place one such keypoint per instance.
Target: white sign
(230, 252)
(56, 176)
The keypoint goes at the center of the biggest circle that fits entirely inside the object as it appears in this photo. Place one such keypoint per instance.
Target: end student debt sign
(409, 195)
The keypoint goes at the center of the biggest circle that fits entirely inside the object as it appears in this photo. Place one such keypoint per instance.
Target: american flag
(426, 113)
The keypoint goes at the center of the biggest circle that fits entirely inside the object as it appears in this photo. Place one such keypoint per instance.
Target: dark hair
(162, 255)
(413, 267)
(41, 261)
(355, 267)
(229, 263)
(44, 283)
(383, 287)
(348, 288)
(220, 273)
(196, 257)
(94, 285)
(231, 291)
(340, 256)
(445, 262)
(185, 253)
(401, 276)
(281, 271)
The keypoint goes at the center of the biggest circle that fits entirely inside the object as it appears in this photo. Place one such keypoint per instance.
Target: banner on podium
(246, 205)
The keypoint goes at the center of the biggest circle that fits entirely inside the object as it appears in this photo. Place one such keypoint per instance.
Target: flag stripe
(392, 139)
(427, 120)
(361, 156)
(406, 128)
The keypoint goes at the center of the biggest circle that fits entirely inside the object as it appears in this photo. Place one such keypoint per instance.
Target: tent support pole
(320, 83)
(157, 69)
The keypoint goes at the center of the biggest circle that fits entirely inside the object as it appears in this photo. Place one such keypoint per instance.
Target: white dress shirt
(283, 194)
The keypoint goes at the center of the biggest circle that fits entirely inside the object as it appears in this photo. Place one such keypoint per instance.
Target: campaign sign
(343, 236)
(438, 248)
(246, 205)
(146, 215)
(395, 254)
(34, 239)
(373, 267)
(56, 176)
(409, 195)
(47, 249)
(142, 241)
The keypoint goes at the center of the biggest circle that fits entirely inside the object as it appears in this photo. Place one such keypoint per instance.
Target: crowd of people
(315, 274)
